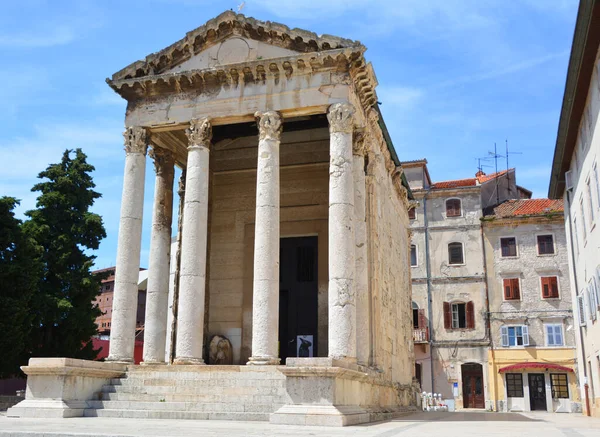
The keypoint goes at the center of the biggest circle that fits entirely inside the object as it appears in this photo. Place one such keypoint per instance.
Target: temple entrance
(537, 391)
(298, 298)
(472, 379)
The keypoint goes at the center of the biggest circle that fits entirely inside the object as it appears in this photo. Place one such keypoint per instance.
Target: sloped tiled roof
(527, 207)
(469, 182)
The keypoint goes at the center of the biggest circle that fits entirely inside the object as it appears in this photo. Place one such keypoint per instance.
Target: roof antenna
(507, 167)
(240, 7)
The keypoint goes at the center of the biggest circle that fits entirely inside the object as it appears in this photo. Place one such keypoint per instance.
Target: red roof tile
(469, 182)
(527, 207)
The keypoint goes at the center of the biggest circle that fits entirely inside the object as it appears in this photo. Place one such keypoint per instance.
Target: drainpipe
(586, 387)
(488, 327)
(429, 303)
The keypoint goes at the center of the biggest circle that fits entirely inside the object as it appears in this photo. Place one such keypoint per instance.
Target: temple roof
(224, 26)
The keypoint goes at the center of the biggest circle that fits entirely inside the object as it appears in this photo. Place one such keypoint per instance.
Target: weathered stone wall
(388, 238)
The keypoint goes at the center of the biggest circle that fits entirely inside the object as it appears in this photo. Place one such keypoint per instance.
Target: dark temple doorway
(298, 298)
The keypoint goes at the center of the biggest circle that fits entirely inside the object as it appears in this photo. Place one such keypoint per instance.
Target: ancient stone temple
(292, 239)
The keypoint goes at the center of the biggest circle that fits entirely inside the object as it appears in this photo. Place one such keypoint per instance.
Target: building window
(583, 225)
(514, 385)
(455, 253)
(413, 255)
(459, 315)
(545, 244)
(415, 309)
(590, 199)
(575, 237)
(515, 335)
(549, 287)
(508, 246)
(597, 180)
(412, 213)
(560, 385)
(453, 208)
(511, 289)
(554, 335)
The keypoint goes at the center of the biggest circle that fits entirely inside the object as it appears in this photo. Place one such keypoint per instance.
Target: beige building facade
(293, 234)
(532, 355)
(575, 178)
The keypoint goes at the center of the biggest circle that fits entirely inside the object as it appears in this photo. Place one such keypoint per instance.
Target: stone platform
(307, 391)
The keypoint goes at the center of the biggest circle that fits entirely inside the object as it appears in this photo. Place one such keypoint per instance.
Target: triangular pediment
(228, 39)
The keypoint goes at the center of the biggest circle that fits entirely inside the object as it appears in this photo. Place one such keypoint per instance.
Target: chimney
(479, 174)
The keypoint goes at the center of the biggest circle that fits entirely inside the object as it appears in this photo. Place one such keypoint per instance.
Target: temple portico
(292, 235)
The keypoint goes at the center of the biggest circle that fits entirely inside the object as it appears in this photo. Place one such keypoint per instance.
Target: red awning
(533, 365)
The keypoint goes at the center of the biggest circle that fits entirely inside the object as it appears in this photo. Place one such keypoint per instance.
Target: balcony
(421, 335)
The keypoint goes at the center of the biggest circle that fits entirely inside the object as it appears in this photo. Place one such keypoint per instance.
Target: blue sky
(455, 76)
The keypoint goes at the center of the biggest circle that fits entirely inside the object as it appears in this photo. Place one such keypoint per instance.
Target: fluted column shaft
(342, 300)
(157, 294)
(265, 297)
(122, 333)
(192, 276)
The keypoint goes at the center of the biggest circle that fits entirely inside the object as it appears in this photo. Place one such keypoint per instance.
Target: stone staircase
(192, 392)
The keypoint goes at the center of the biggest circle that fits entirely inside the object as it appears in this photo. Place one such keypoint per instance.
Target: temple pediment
(231, 38)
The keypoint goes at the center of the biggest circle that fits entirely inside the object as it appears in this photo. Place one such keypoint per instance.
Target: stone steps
(197, 394)
(168, 414)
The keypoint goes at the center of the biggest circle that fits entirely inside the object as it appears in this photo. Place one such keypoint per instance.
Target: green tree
(62, 224)
(19, 272)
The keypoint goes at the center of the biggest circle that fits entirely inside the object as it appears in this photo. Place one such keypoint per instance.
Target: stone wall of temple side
(390, 276)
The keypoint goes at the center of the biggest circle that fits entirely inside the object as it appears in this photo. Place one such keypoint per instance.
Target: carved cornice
(199, 133)
(400, 188)
(224, 26)
(135, 140)
(341, 117)
(234, 75)
(364, 81)
(269, 125)
(164, 160)
(358, 142)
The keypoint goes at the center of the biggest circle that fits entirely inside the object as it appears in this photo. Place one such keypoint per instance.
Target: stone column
(122, 333)
(265, 296)
(157, 294)
(361, 279)
(192, 275)
(342, 300)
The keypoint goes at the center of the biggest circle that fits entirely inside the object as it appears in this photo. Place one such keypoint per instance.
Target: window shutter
(422, 321)
(581, 308)
(515, 289)
(447, 316)
(525, 330)
(504, 335)
(545, 288)
(550, 334)
(588, 306)
(554, 286)
(558, 340)
(507, 289)
(470, 315)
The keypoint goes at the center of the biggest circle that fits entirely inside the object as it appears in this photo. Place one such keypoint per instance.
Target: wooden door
(537, 392)
(473, 395)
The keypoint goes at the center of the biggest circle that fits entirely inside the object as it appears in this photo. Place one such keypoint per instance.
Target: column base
(182, 361)
(263, 361)
(119, 360)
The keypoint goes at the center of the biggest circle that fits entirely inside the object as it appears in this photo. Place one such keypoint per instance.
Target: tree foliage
(63, 226)
(20, 268)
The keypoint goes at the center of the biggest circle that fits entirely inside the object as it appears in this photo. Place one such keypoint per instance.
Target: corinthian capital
(135, 140)
(199, 132)
(269, 125)
(163, 159)
(340, 117)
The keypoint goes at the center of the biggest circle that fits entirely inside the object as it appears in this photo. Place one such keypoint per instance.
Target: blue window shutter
(504, 333)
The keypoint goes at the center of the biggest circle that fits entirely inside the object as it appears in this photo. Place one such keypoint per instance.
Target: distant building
(455, 290)
(532, 352)
(104, 300)
(576, 179)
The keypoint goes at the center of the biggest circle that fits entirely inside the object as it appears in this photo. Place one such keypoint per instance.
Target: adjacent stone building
(532, 356)
(293, 238)
(575, 178)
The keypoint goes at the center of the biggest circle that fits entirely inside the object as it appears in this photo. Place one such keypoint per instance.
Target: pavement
(459, 424)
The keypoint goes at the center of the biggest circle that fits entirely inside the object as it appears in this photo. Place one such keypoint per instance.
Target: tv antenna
(495, 155)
